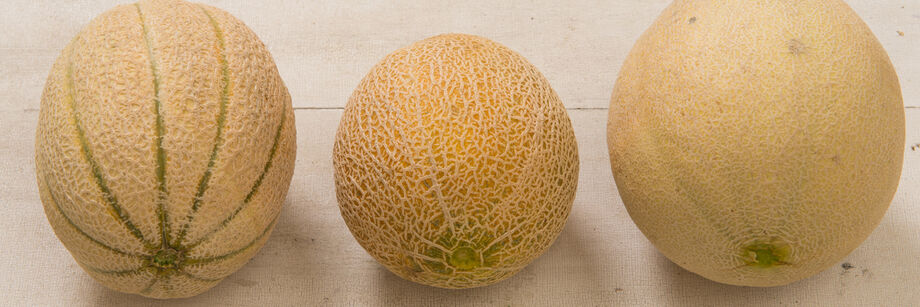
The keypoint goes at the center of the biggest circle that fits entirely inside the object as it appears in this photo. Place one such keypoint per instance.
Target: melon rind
(164, 129)
(455, 162)
(757, 143)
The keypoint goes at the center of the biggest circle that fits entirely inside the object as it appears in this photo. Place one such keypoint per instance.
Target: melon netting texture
(455, 162)
(164, 148)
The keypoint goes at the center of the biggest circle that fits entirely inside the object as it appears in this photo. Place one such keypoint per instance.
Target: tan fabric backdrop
(323, 49)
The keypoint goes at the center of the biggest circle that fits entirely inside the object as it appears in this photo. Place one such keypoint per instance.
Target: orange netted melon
(165, 147)
(455, 162)
(757, 142)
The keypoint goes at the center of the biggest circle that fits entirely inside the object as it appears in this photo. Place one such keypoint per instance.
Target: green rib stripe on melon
(191, 276)
(221, 118)
(160, 130)
(200, 261)
(255, 186)
(54, 202)
(119, 273)
(107, 194)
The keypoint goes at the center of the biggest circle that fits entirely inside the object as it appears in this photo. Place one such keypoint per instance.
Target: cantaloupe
(165, 147)
(757, 142)
(455, 162)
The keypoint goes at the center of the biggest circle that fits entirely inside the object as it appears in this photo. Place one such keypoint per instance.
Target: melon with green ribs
(165, 147)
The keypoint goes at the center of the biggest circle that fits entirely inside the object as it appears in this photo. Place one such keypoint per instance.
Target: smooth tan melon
(455, 162)
(165, 147)
(757, 142)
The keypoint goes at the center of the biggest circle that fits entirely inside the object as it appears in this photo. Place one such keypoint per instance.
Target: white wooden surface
(323, 49)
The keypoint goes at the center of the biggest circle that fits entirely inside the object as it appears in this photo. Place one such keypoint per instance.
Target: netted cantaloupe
(757, 142)
(165, 147)
(455, 162)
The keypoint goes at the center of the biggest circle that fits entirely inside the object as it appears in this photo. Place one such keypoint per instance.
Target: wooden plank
(324, 49)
